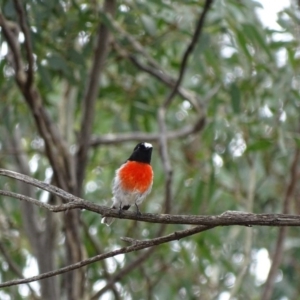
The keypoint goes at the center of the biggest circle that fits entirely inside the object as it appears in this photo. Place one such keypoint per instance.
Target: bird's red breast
(136, 176)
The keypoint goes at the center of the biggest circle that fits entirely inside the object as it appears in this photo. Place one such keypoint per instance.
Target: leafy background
(245, 80)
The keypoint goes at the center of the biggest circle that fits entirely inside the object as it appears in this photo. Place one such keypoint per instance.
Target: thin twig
(15, 268)
(161, 75)
(165, 158)
(28, 47)
(40, 184)
(98, 249)
(123, 272)
(185, 94)
(188, 51)
(114, 139)
(130, 266)
(12, 40)
(138, 246)
(162, 110)
(153, 67)
(169, 81)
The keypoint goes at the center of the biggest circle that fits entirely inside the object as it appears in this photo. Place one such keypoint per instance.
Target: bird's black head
(142, 153)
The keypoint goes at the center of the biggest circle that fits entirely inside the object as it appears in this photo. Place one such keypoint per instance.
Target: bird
(133, 181)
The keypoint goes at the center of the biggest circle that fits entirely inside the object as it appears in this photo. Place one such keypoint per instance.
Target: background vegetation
(82, 81)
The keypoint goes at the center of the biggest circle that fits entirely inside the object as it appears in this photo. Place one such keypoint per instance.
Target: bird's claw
(138, 212)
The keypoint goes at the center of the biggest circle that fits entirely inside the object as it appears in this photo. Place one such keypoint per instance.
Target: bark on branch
(204, 222)
(226, 219)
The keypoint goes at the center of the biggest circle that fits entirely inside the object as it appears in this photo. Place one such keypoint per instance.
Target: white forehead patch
(147, 145)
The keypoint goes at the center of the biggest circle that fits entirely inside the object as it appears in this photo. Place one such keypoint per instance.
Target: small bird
(133, 180)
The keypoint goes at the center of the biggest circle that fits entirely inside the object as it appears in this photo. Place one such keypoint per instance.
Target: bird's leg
(120, 209)
(138, 212)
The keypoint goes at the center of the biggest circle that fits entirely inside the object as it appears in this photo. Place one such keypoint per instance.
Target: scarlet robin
(133, 180)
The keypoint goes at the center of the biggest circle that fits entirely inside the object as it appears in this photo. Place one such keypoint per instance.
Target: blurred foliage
(252, 128)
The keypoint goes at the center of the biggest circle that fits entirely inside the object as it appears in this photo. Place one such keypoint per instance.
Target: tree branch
(162, 110)
(226, 219)
(113, 139)
(54, 144)
(55, 148)
(53, 141)
(123, 272)
(161, 75)
(204, 222)
(278, 253)
(188, 51)
(138, 245)
(41, 240)
(165, 158)
(153, 67)
(11, 37)
(26, 32)
(98, 249)
(91, 94)
(167, 80)
(40, 184)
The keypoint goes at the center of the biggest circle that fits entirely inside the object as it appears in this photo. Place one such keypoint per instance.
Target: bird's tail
(107, 221)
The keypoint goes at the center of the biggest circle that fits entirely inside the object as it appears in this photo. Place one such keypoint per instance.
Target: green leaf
(56, 62)
(259, 145)
(243, 44)
(149, 24)
(9, 9)
(256, 37)
(297, 141)
(45, 76)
